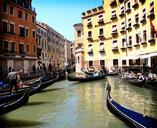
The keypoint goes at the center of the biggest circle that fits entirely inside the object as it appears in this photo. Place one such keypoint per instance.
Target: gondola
(112, 74)
(19, 100)
(136, 82)
(88, 72)
(130, 117)
(151, 83)
(86, 78)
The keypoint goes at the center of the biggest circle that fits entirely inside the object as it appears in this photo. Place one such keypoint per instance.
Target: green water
(80, 105)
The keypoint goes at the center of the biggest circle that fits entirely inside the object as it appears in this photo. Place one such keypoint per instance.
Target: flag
(152, 27)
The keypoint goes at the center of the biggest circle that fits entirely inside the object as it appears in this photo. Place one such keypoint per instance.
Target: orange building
(17, 35)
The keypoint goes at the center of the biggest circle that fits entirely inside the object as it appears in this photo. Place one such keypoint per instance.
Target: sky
(61, 15)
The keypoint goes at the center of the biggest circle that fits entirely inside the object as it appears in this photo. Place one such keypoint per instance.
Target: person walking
(12, 77)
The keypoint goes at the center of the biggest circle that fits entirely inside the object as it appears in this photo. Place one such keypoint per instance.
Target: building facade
(42, 44)
(78, 47)
(67, 53)
(17, 35)
(120, 33)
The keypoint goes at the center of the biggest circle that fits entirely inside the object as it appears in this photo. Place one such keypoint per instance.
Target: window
(89, 20)
(4, 27)
(128, 6)
(27, 48)
(90, 48)
(101, 31)
(34, 49)
(11, 10)
(101, 46)
(4, 6)
(26, 31)
(123, 25)
(123, 42)
(114, 28)
(33, 19)
(26, 16)
(115, 61)
(78, 59)
(122, 10)
(6, 46)
(144, 13)
(129, 22)
(78, 33)
(115, 44)
(136, 19)
(102, 62)
(100, 17)
(152, 7)
(12, 46)
(90, 63)
(137, 38)
(123, 62)
(114, 14)
(33, 34)
(130, 62)
(20, 14)
(89, 34)
(130, 41)
(21, 31)
(144, 35)
(12, 29)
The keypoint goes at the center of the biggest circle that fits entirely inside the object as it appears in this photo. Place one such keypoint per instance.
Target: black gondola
(130, 117)
(112, 73)
(19, 100)
(136, 82)
(151, 83)
(86, 78)
(88, 72)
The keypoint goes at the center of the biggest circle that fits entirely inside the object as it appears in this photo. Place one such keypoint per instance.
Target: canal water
(68, 104)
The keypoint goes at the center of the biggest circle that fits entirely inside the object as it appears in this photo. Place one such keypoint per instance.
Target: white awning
(148, 55)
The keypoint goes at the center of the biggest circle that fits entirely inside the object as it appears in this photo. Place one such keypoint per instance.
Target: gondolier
(12, 78)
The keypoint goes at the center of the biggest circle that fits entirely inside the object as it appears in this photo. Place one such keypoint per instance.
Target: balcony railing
(90, 38)
(136, 24)
(115, 49)
(90, 51)
(114, 33)
(113, 17)
(89, 24)
(101, 22)
(143, 20)
(135, 5)
(23, 4)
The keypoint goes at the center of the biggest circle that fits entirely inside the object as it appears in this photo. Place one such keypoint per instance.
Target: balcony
(128, 10)
(113, 17)
(123, 48)
(129, 46)
(8, 53)
(137, 44)
(135, 5)
(114, 33)
(89, 24)
(115, 49)
(90, 39)
(136, 25)
(121, 1)
(123, 30)
(151, 40)
(143, 20)
(90, 51)
(122, 14)
(143, 42)
(101, 22)
(79, 50)
(23, 4)
(151, 15)
(113, 3)
(102, 50)
(102, 37)
(142, 1)
(129, 28)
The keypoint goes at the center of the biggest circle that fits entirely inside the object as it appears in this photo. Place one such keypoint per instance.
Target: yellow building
(121, 32)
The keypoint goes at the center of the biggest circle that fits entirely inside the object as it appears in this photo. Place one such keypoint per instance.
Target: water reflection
(80, 105)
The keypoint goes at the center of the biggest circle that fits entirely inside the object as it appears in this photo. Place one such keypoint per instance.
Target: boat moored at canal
(130, 117)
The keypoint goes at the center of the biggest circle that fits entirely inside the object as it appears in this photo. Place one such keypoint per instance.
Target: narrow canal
(80, 105)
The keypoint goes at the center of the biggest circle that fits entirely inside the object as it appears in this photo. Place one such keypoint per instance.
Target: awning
(148, 55)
